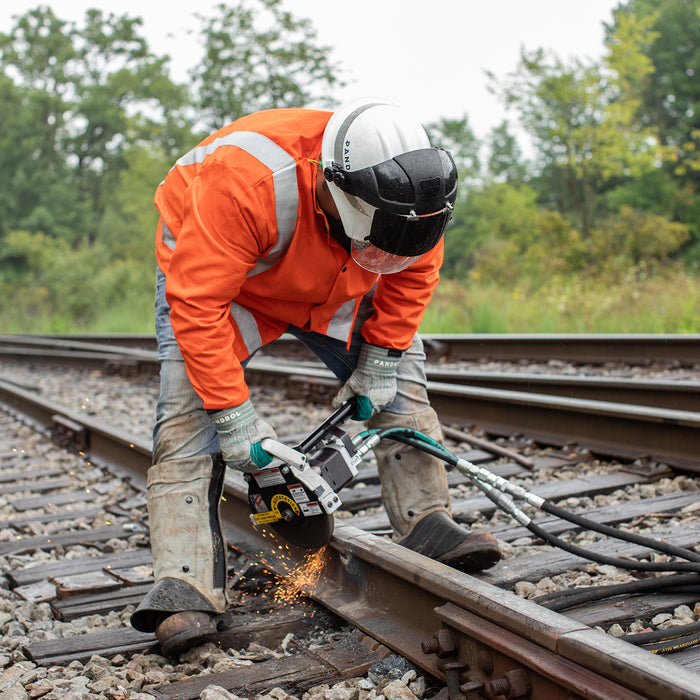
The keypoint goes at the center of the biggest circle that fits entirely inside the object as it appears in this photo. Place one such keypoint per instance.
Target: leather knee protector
(187, 540)
(414, 483)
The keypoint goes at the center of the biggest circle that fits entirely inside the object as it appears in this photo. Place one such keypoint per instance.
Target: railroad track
(579, 347)
(626, 417)
(474, 634)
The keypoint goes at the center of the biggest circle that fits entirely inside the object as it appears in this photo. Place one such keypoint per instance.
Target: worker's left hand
(373, 381)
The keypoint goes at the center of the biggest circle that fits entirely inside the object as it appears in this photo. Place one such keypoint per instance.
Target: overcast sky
(426, 55)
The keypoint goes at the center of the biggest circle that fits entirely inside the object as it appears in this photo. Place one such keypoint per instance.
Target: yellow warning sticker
(269, 516)
(274, 514)
(274, 503)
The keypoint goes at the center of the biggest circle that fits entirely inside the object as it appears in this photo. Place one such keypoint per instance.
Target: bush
(49, 286)
(631, 237)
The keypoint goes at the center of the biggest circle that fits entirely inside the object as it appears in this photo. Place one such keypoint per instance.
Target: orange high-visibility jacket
(246, 251)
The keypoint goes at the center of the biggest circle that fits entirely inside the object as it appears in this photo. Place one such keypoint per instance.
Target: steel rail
(76, 353)
(678, 395)
(613, 429)
(126, 456)
(99, 342)
(630, 348)
(474, 636)
(597, 348)
(83, 359)
(68, 344)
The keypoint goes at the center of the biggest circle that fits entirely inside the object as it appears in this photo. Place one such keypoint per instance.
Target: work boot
(180, 631)
(417, 499)
(439, 537)
(189, 552)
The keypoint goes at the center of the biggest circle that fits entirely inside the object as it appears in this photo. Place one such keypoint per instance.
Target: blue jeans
(183, 428)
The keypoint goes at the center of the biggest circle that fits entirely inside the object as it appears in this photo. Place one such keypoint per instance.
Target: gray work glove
(373, 381)
(240, 431)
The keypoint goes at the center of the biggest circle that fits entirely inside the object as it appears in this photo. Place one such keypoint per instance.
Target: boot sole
(472, 562)
(478, 552)
(181, 631)
(178, 643)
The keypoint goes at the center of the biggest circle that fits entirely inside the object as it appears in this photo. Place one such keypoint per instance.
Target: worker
(327, 226)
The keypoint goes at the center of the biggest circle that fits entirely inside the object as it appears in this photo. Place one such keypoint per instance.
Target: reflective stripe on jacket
(246, 252)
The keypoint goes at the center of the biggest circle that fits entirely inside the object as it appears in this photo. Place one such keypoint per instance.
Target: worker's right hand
(373, 381)
(241, 431)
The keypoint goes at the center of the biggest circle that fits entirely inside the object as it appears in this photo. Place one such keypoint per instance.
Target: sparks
(302, 579)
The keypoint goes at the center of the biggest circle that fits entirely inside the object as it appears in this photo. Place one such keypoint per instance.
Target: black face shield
(412, 195)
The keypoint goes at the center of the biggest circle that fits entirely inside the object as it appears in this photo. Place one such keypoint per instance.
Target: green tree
(85, 92)
(123, 94)
(456, 136)
(32, 112)
(668, 93)
(129, 221)
(64, 282)
(487, 217)
(259, 56)
(505, 163)
(27, 168)
(667, 99)
(581, 126)
(632, 237)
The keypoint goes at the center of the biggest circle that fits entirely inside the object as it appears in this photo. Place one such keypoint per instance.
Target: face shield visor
(396, 241)
(404, 205)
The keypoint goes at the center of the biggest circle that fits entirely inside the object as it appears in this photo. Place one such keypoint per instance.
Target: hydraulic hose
(500, 490)
(616, 561)
(570, 598)
(663, 641)
(667, 641)
(616, 532)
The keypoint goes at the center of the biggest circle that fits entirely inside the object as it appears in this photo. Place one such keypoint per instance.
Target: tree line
(92, 119)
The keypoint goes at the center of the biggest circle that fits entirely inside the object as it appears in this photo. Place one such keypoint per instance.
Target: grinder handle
(340, 415)
(287, 454)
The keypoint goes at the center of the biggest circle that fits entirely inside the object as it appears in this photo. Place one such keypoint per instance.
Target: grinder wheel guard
(298, 497)
(280, 499)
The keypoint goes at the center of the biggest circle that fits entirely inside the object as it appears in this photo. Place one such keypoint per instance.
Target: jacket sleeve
(400, 301)
(225, 228)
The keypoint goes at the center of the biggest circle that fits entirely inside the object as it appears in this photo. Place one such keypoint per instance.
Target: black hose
(665, 635)
(613, 561)
(674, 645)
(656, 642)
(570, 598)
(633, 537)
(666, 641)
(416, 439)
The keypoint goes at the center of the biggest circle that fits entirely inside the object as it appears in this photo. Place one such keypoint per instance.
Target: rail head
(403, 599)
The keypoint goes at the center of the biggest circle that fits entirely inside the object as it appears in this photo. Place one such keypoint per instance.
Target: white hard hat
(394, 192)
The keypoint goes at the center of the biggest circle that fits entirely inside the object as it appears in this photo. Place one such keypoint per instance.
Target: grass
(666, 302)
(133, 314)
